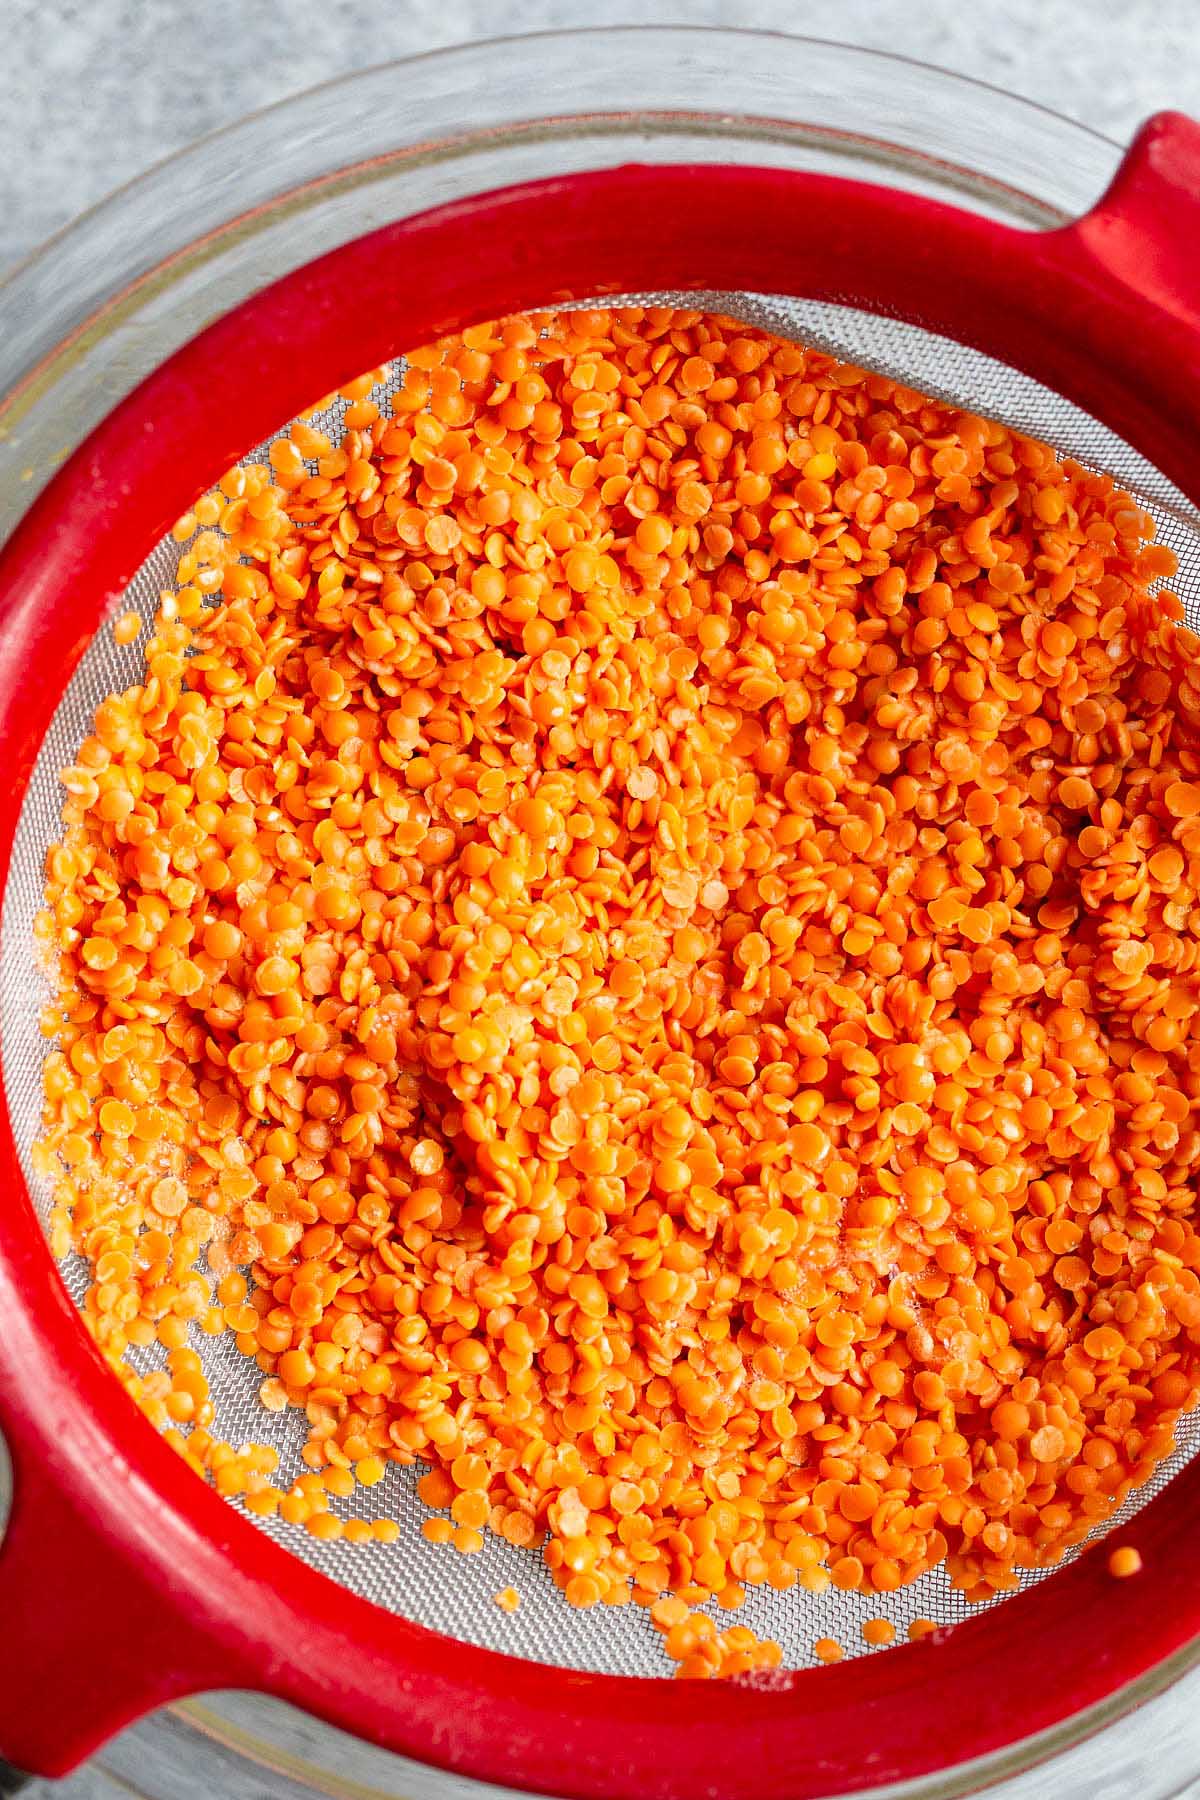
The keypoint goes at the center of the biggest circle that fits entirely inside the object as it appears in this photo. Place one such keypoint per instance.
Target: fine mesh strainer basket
(125, 1582)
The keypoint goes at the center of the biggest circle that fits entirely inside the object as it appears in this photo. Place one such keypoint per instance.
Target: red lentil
(127, 628)
(631, 946)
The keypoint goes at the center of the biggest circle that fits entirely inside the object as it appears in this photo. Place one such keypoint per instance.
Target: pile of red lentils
(633, 946)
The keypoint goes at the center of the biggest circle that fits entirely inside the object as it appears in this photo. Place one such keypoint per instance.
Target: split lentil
(127, 629)
(632, 946)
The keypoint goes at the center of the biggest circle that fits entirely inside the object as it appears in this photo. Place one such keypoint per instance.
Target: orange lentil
(587, 948)
(127, 628)
(1124, 1561)
(324, 1525)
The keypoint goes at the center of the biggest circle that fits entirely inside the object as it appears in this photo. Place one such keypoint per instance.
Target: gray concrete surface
(94, 91)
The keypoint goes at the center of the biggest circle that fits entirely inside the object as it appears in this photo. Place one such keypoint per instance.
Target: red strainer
(124, 1582)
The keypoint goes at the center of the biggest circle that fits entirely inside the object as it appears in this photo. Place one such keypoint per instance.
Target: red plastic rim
(181, 1590)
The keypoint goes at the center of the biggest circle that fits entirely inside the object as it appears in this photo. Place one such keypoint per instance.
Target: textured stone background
(94, 91)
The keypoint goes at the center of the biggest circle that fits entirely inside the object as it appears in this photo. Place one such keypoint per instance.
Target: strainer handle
(1145, 230)
(99, 1621)
(1116, 301)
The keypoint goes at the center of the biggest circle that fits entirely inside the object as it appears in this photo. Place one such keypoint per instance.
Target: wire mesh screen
(435, 1586)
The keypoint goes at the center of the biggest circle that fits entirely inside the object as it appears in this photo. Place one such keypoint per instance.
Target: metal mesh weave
(437, 1587)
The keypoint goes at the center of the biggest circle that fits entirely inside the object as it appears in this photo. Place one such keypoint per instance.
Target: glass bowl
(104, 303)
